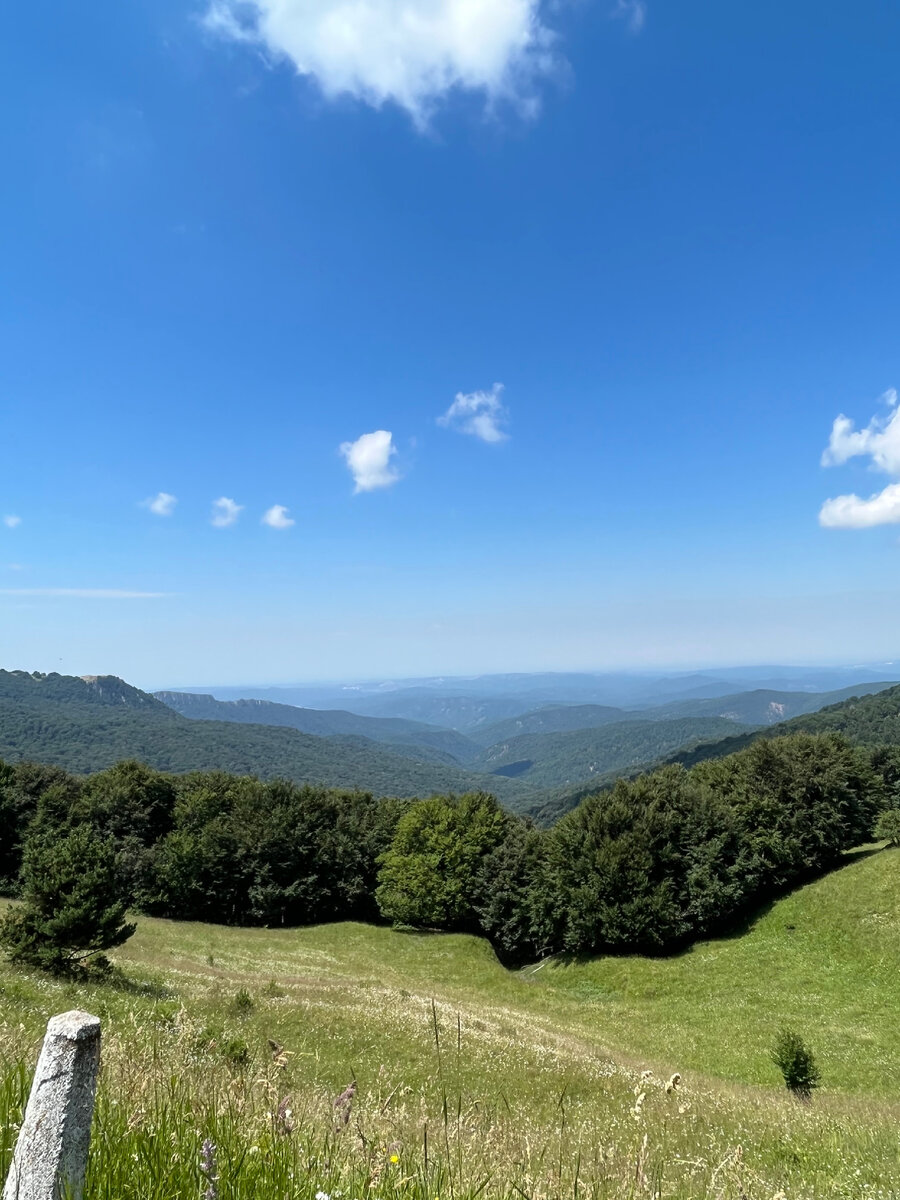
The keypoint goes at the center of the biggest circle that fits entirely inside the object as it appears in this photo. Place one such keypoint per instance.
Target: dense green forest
(866, 720)
(548, 760)
(87, 725)
(430, 742)
(649, 865)
(870, 720)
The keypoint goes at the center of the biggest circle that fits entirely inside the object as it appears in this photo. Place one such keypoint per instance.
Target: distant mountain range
(468, 704)
(87, 724)
(535, 759)
(414, 737)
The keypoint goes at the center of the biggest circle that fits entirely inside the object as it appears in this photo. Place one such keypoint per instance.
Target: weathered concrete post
(51, 1153)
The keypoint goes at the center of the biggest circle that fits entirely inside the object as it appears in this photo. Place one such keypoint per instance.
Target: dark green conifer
(73, 906)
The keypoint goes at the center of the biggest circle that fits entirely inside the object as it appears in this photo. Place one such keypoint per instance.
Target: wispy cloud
(225, 512)
(879, 441)
(277, 517)
(86, 593)
(369, 460)
(480, 414)
(412, 54)
(161, 505)
(11, 521)
(632, 12)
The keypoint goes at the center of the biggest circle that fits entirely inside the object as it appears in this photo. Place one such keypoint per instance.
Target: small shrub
(797, 1064)
(887, 828)
(235, 1051)
(243, 1003)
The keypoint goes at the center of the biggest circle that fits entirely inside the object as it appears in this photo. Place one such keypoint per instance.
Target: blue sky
(238, 238)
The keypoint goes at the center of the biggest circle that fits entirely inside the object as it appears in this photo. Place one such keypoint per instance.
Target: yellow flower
(395, 1158)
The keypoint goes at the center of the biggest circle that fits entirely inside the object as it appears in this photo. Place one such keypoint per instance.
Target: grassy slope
(825, 959)
(547, 1060)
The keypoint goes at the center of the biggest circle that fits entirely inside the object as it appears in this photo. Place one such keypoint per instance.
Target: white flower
(322, 1196)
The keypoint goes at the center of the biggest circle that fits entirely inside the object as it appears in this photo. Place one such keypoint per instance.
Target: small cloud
(85, 593)
(11, 521)
(369, 460)
(15, 567)
(277, 517)
(632, 12)
(480, 414)
(161, 505)
(853, 512)
(415, 54)
(879, 441)
(225, 512)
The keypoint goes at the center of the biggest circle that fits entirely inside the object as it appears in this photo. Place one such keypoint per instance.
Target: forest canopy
(648, 865)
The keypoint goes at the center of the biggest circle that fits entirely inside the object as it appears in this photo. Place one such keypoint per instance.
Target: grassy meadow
(468, 1079)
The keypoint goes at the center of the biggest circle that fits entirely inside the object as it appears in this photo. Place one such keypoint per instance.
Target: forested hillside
(764, 706)
(394, 731)
(86, 725)
(866, 720)
(555, 718)
(655, 863)
(547, 760)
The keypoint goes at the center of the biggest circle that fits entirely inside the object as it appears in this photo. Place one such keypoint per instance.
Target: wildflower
(210, 1169)
(673, 1083)
(322, 1196)
(395, 1158)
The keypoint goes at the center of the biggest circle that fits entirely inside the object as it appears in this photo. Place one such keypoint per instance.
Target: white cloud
(880, 442)
(161, 505)
(11, 521)
(632, 12)
(225, 512)
(479, 413)
(85, 593)
(853, 512)
(410, 52)
(369, 460)
(277, 517)
(880, 439)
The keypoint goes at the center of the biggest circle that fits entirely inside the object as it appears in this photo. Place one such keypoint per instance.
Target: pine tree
(74, 903)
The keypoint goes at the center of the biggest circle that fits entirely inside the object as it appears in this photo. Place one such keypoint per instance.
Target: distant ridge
(411, 735)
(867, 720)
(86, 724)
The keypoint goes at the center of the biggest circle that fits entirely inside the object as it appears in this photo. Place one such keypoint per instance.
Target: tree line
(647, 866)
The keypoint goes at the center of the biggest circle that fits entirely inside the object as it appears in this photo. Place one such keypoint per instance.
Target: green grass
(484, 1081)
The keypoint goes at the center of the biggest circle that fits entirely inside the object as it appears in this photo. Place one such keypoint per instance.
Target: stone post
(52, 1149)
